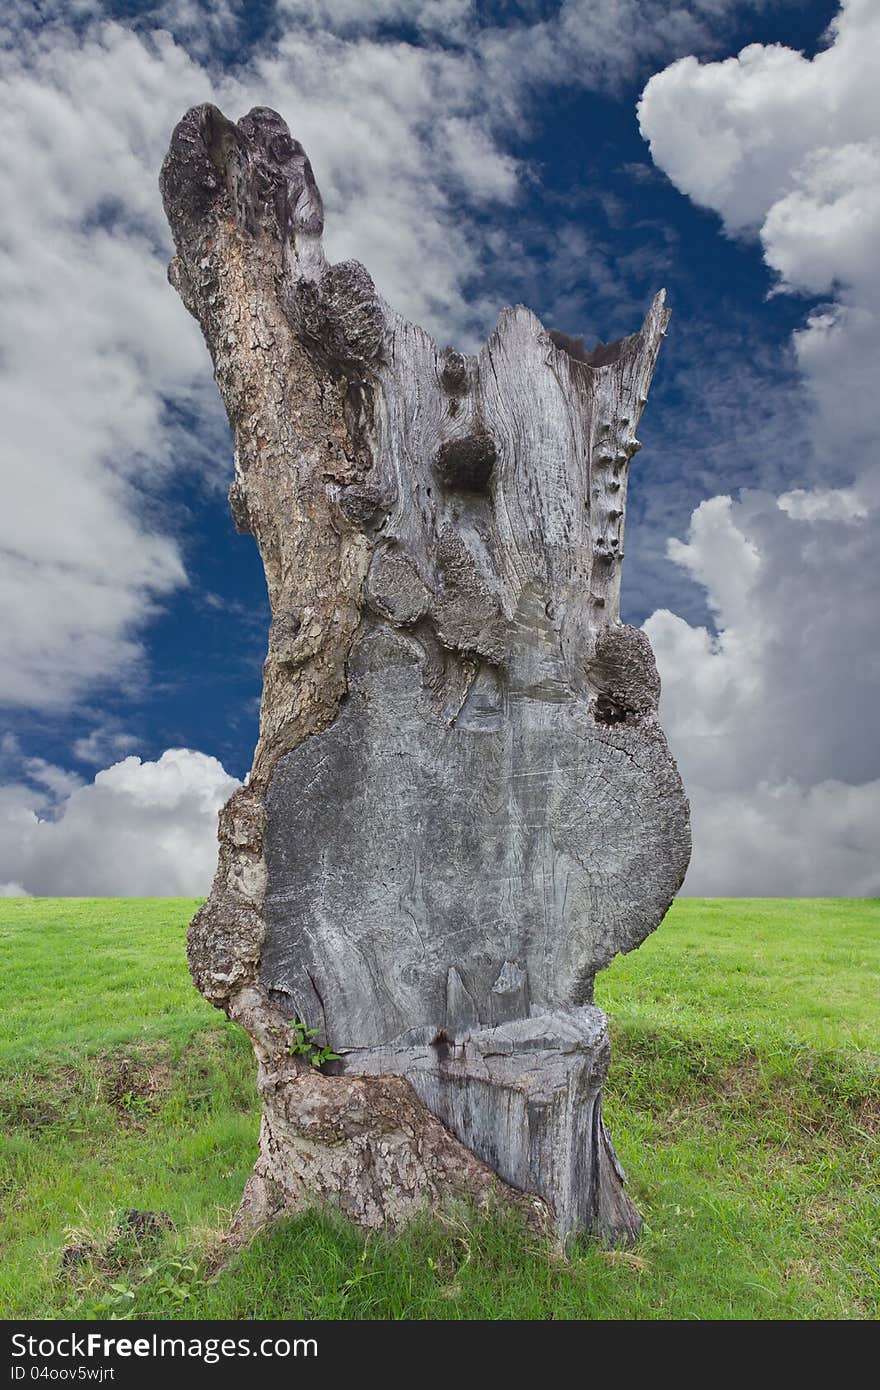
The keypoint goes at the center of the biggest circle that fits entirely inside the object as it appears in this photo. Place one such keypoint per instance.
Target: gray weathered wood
(462, 805)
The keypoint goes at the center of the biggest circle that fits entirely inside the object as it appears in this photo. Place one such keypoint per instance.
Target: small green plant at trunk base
(304, 1046)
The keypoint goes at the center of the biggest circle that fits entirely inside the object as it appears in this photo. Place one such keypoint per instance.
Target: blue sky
(472, 156)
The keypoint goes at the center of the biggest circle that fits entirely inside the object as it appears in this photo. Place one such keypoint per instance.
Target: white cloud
(102, 744)
(736, 135)
(91, 345)
(449, 19)
(786, 148)
(773, 719)
(721, 558)
(141, 829)
(788, 687)
(825, 229)
(824, 504)
(58, 782)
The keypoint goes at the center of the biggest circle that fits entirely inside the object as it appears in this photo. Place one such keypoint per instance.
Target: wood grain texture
(462, 804)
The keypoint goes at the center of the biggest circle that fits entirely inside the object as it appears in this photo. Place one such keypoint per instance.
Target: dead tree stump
(461, 804)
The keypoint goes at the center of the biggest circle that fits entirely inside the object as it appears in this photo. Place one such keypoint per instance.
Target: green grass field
(743, 1099)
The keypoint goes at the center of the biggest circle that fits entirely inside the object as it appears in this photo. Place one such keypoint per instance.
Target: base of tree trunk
(368, 1148)
(385, 1148)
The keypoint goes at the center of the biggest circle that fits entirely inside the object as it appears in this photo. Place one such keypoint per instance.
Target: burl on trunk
(461, 804)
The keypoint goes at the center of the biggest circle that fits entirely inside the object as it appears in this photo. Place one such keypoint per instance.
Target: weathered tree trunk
(461, 804)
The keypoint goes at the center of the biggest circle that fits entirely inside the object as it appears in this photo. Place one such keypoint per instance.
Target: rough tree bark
(461, 804)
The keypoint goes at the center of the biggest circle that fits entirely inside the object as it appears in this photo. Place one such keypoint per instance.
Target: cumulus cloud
(773, 716)
(92, 347)
(736, 135)
(140, 829)
(786, 148)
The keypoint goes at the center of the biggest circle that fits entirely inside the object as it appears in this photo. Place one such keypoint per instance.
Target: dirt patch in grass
(29, 1113)
(133, 1239)
(131, 1084)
